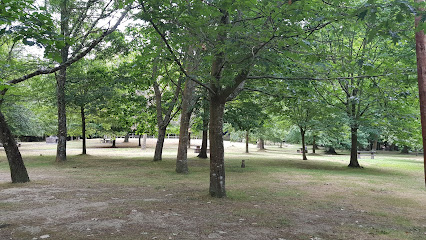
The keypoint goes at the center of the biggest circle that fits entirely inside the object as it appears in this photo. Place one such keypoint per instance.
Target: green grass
(272, 191)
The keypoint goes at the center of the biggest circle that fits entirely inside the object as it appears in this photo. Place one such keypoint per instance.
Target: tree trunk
(374, 147)
(421, 77)
(354, 148)
(61, 153)
(160, 142)
(247, 141)
(181, 160)
(281, 144)
(203, 150)
(261, 144)
(126, 138)
(113, 143)
(143, 147)
(314, 144)
(405, 150)
(18, 171)
(302, 133)
(139, 144)
(83, 128)
(217, 160)
(61, 77)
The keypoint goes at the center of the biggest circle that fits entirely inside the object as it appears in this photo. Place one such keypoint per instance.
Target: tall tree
(421, 64)
(36, 27)
(235, 35)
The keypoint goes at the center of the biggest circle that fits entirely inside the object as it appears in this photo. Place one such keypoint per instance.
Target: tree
(89, 88)
(26, 17)
(235, 36)
(356, 68)
(244, 115)
(164, 116)
(421, 63)
(188, 102)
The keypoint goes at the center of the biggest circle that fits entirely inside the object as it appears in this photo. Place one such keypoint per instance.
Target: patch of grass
(7, 206)
(283, 222)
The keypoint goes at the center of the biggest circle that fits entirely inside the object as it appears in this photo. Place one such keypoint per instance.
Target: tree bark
(143, 147)
(158, 155)
(206, 119)
(83, 129)
(314, 144)
(139, 144)
(182, 160)
(217, 159)
(61, 152)
(421, 77)
(261, 144)
(302, 133)
(247, 141)
(113, 143)
(61, 77)
(18, 171)
(126, 138)
(374, 147)
(354, 148)
(203, 150)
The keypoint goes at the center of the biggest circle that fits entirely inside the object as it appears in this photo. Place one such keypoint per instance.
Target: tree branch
(315, 79)
(169, 48)
(74, 59)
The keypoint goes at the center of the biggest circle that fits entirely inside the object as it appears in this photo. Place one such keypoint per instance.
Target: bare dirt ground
(121, 194)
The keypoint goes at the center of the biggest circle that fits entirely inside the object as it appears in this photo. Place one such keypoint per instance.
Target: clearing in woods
(122, 194)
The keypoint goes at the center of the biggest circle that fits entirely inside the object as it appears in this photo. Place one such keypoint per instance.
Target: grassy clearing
(276, 196)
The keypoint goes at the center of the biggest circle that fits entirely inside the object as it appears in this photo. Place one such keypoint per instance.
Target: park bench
(371, 153)
(105, 140)
(198, 149)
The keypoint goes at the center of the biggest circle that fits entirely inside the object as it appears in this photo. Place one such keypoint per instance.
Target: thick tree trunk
(217, 160)
(302, 133)
(181, 160)
(83, 129)
(354, 148)
(113, 143)
(158, 155)
(18, 171)
(261, 144)
(61, 153)
(126, 138)
(61, 77)
(247, 141)
(374, 147)
(421, 77)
